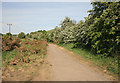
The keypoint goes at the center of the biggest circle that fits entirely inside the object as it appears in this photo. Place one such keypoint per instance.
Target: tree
(21, 35)
(28, 34)
(7, 35)
(100, 31)
(104, 25)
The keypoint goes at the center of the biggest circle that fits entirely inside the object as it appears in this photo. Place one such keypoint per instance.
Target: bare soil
(63, 65)
(59, 65)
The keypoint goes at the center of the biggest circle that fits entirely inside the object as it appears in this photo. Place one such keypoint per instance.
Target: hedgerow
(100, 31)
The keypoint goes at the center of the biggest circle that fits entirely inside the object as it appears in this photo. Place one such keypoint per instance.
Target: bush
(28, 34)
(10, 44)
(100, 30)
(7, 35)
(21, 35)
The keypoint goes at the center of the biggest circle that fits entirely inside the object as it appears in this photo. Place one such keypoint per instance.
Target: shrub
(10, 44)
(7, 35)
(100, 30)
(21, 35)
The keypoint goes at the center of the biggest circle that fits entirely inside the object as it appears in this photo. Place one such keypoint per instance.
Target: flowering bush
(100, 31)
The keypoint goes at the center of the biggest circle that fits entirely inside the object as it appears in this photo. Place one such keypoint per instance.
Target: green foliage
(100, 31)
(60, 34)
(1, 34)
(21, 35)
(7, 35)
(28, 34)
(104, 29)
(11, 54)
(38, 35)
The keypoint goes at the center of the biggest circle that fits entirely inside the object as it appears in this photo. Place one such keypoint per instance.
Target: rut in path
(64, 67)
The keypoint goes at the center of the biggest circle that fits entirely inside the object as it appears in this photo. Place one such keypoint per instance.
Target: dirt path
(61, 66)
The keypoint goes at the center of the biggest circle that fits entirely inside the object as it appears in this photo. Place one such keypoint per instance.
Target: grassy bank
(21, 58)
(107, 63)
(24, 52)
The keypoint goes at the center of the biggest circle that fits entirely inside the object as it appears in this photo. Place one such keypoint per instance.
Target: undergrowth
(27, 52)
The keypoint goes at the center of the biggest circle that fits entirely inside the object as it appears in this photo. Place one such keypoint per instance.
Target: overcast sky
(32, 16)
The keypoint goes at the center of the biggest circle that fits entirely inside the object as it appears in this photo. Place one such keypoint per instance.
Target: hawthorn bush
(100, 31)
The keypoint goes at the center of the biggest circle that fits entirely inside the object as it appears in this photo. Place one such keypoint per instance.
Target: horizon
(33, 16)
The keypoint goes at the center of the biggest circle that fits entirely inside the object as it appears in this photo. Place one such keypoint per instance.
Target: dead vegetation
(26, 52)
(9, 43)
